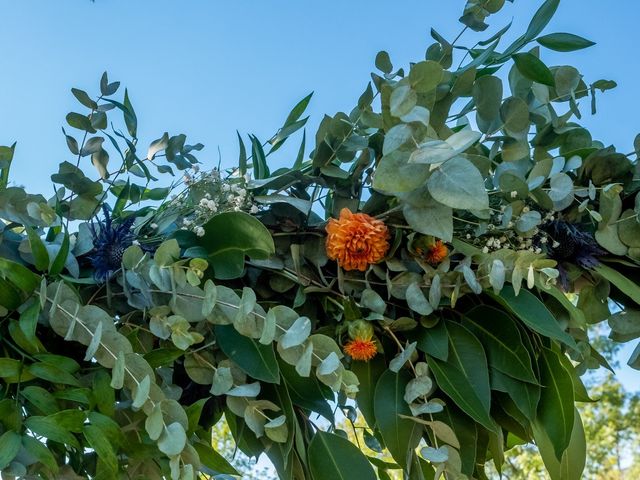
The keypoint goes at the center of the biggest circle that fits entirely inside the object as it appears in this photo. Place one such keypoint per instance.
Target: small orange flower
(436, 253)
(356, 240)
(361, 348)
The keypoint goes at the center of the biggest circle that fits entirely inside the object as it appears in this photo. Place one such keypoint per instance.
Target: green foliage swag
(136, 313)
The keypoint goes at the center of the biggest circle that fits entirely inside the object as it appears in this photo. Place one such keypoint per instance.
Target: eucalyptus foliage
(144, 301)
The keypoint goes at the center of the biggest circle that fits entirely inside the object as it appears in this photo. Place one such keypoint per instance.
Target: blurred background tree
(249, 468)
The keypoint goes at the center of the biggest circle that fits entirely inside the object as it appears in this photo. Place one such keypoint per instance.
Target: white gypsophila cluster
(499, 236)
(209, 193)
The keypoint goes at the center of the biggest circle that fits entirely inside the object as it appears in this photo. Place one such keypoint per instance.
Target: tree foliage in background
(435, 261)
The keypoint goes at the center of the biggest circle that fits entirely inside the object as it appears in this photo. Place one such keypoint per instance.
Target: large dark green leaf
(306, 392)
(19, 275)
(287, 464)
(40, 452)
(10, 443)
(48, 428)
(75, 180)
(533, 313)
(626, 286)
(400, 435)
(53, 373)
(573, 459)
(502, 342)
(244, 438)
(211, 459)
(229, 237)
(332, 457)
(465, 375)
(580, 392)
(467, 434)
(525, 395)
(9, 296)
(368, 374)
(257, 360)
(555, 410)
(98, 442)
(434, 341)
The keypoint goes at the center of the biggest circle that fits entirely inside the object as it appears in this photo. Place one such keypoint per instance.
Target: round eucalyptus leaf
(566, 80)
(395, 173)
(403, 99)
(425, 76)
(561, 187)
(528, 221)
(629, 229)
(487, 95)
(458, 184)
(515, 115)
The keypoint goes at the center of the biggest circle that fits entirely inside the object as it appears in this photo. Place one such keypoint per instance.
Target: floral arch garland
(438, 270)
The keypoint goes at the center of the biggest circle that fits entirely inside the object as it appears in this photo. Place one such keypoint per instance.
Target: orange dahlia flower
(436, 253)
(361, 348)
(356, 240)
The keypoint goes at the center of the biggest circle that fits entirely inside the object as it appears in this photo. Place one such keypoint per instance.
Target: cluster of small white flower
(506, 237)
(208, 194)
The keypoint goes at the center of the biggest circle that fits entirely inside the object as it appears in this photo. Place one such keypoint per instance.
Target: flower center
(115, 255)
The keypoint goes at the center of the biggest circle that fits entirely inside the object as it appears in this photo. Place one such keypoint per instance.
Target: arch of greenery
(432, 259)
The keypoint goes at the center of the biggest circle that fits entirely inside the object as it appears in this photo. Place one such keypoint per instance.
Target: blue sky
(208, 67)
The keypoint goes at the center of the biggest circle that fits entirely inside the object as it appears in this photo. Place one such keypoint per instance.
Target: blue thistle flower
(572, 245)
(110, 240)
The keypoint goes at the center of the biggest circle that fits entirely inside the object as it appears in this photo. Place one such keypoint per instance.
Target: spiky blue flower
(110, 240)
(572, 245)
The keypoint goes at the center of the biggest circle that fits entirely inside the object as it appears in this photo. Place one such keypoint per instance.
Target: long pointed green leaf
(39, 251)
(258, 361)
(573, 459)
(533, 313)
(58, 263)
(297, 111)
(564, 42)
(260, 168)
(555, 410)
(524, 395)
(335, 458)
(10, 443)
(399, 434)
(242, 160)
(19, 275)
(300, 156)
(502, 341)
(626, 286)
(368, 374)
(465, 375)
(541, 18)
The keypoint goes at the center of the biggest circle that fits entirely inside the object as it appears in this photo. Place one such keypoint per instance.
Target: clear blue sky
(208, 67)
